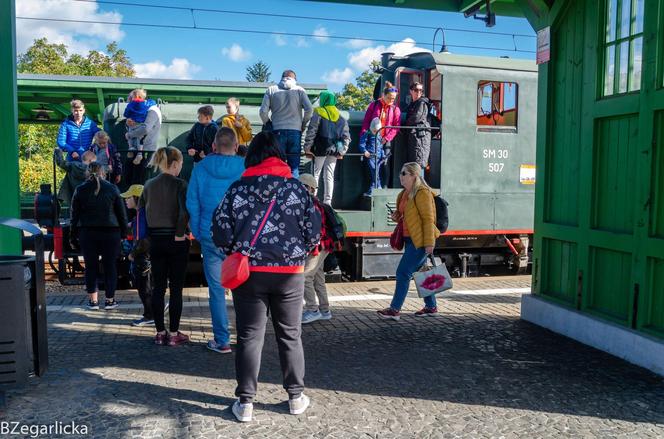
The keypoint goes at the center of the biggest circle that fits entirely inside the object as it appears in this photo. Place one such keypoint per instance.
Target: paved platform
(475, 370)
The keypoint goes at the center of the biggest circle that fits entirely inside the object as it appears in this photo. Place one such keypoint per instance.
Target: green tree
(258, 72)
(36, 142)
(359, 95)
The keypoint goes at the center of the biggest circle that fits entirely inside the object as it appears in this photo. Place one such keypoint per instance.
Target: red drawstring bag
(235, 268)
(396, 238)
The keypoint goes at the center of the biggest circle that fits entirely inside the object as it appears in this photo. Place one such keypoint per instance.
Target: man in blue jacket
(76, 132)
(208, 184)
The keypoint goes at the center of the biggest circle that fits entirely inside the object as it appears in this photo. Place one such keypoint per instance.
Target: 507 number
(496, 167)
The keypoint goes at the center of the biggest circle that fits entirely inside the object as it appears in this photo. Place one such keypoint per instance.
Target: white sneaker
(325, 315)
(298, 406)
(242, 412)
(310, 316)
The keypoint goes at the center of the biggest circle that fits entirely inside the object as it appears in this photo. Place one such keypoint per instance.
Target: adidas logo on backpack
(292, 199)
(298, 253)
(238, 202)
(269, 228)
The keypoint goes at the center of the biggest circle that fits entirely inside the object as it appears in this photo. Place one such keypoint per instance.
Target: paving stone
(475, 370)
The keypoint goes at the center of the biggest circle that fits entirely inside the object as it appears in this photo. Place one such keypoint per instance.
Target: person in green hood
(327, 139)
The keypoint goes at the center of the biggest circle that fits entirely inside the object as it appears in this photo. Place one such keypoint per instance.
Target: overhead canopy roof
(53, 93)
(500, 7)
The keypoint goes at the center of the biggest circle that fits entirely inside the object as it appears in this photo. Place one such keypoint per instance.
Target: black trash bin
(23, 332)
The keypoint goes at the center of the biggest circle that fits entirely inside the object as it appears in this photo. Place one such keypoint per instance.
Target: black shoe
(110, 304)
(93, 304)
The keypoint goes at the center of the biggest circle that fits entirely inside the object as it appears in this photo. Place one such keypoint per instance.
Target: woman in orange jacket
(415, 206)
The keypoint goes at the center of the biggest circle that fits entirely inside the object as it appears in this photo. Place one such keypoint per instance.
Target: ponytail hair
(96, 172)
(164, 157)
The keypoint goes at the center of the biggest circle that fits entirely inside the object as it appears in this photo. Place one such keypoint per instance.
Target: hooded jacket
(393, 118)
(284, 104)
(328, 132)
(419, 141)
(243, 133)
(73, 138)
(207, 186)
(292, 230)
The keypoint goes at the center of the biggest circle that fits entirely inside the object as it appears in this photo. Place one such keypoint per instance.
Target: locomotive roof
(484, 62)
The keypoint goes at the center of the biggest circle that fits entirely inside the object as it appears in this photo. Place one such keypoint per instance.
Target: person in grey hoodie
(288, 108)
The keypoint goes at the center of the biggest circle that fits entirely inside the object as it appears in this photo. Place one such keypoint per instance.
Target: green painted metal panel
(610, 285)
(614, 170)
(559, 275)
(653, 302)
(9, 195)
(563, 154)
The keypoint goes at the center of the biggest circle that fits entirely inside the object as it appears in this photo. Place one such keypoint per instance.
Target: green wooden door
(599, 224)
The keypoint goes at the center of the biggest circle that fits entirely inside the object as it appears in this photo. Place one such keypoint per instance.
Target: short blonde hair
(139, 93)
(76, 103)
(234, 101)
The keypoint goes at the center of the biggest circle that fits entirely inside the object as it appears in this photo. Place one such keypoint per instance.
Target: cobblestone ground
(475, 370)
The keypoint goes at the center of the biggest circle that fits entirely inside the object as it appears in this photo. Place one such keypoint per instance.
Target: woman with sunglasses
(389, 114)
(419, 139)
(416, 208)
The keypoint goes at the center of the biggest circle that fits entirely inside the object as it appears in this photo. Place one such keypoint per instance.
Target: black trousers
(104, 243)
(279, 295)
(169, 266)
(141, 274)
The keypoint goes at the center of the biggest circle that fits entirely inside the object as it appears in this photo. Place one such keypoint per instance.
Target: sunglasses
(404, 173)
(393, 90)
(418, 89)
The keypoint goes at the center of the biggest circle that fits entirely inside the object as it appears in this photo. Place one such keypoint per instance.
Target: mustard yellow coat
(420, 217)
(243, 133)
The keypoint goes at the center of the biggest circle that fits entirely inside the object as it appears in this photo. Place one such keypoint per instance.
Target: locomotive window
(623, 46)
(497, 105)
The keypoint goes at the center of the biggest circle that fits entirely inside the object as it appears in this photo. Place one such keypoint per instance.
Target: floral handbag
(433, 279)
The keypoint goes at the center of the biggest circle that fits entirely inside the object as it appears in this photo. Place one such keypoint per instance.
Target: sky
(215, 55)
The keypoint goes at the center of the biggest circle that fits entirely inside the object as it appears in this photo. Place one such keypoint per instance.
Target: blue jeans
(289, 142)
(411, 261)
(371, 166)
(212, 259)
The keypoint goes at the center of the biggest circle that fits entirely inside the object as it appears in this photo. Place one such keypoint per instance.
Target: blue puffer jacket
(73, 138)
(208, 184)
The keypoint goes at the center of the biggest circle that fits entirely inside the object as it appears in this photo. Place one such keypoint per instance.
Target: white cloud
(338, 76)
(236, 53)
(279, 40)
(301, 42)
(361, 60)
(180, 68)
(79, 37)
(356, 44)
(321, 34)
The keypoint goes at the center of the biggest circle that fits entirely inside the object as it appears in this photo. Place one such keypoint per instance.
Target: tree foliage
(258, 72)
(358, 96)
(53, 59)
(36, 142)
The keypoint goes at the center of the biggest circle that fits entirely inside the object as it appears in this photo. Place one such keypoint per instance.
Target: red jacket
(393, 119)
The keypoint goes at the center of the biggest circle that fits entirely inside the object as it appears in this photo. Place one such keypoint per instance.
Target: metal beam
(10, 240)
(467, 4)
(60, 109)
